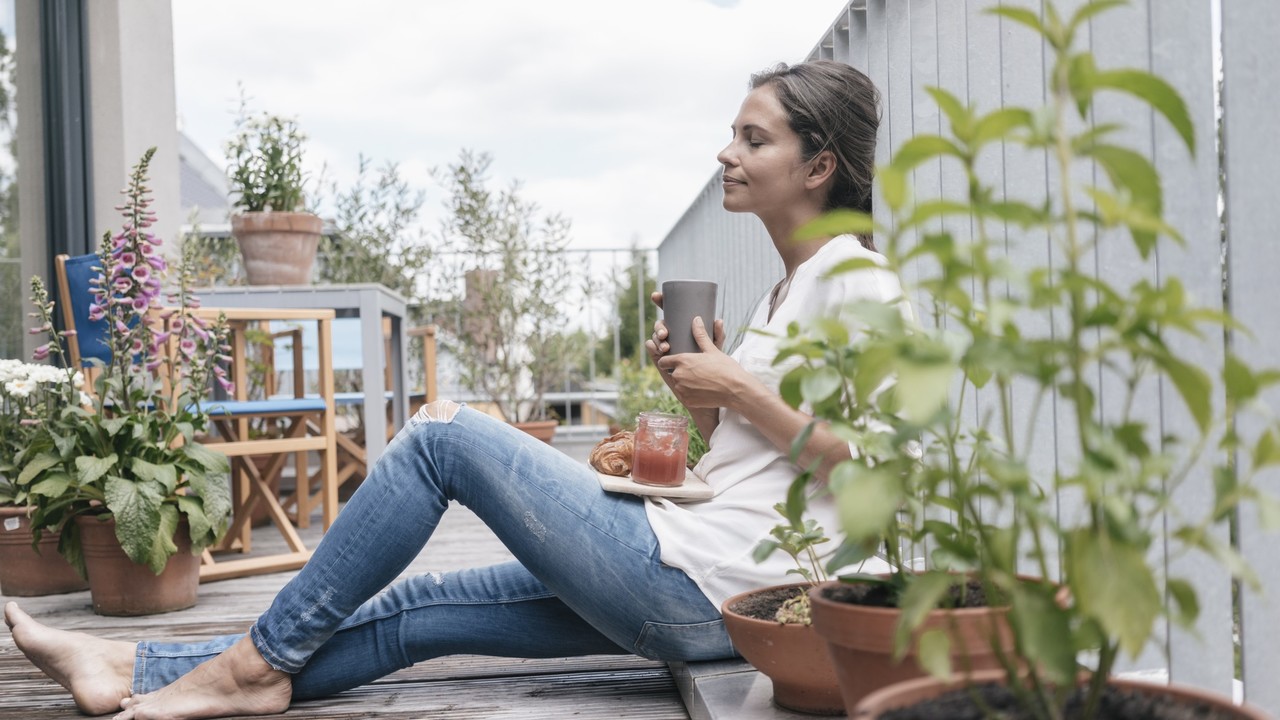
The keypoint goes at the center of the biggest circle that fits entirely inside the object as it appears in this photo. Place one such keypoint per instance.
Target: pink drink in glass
(661, 449)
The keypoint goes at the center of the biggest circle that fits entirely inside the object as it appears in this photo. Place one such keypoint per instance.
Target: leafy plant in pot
(29, 395)
(277, 240)
(771, 626)
(1048, 332)
(127, 471)
(516, 279)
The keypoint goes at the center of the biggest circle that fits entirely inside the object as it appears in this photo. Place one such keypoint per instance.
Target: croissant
(612, 456)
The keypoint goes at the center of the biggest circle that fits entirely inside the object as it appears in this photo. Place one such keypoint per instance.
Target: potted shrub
(516, 278)
(277, 239)
(125, 479)
(29, 394)
(906, 394)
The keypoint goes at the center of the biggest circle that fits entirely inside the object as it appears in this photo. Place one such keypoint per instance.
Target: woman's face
(763, 170)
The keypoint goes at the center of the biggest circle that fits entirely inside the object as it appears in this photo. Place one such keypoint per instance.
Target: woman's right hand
(657, 344)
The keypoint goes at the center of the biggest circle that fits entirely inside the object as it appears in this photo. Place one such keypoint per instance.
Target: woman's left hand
(707, 379)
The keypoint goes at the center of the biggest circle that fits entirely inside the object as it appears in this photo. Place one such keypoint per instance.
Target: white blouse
(713, 540)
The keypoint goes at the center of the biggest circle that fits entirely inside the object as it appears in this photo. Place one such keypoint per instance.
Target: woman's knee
(438, 411)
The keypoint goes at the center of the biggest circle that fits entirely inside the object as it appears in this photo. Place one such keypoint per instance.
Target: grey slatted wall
(904, 45)
(1251, 88)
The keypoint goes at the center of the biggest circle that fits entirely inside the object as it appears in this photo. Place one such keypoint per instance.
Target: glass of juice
(661, 449)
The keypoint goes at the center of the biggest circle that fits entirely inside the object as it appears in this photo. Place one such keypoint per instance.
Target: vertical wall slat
(1182, 54)
(1251, 90)
(1120, 39)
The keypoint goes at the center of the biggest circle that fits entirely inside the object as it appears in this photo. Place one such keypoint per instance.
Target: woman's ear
(821, 169)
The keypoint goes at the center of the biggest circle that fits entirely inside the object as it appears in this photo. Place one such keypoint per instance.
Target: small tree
(516, 276)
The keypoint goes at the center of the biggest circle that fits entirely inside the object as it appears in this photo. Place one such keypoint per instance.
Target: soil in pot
(25, 572)
(793, 656)
(1119, 701)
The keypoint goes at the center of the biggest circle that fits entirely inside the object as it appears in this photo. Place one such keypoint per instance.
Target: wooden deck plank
(451, 688)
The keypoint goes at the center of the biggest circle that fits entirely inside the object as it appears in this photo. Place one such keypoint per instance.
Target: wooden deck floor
(450, 688)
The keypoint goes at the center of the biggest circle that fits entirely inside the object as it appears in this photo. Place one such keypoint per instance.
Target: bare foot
(97, 672)
(237, 682)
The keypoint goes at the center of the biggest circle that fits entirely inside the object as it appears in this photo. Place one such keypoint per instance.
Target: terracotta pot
(543, 430)
(860, 639)
(119, 586)
(278, 248)
(794, 657)
(906, 694)
(25, 572)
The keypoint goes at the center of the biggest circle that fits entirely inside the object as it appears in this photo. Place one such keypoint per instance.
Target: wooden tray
(692, 489)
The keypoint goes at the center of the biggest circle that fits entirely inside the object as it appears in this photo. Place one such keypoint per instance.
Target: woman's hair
(832, 106)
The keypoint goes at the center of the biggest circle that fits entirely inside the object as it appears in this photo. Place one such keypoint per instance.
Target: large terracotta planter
(27, 572)
(860, 639)
(278, 248)
(543, 430)
(906, 694)
(119, 586)
(794, 657)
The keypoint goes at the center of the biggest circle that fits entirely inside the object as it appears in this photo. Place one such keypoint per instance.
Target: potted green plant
(29, 394)
(125, 479)
(771, 627)
(277, 238)
(906, 393)
(516, 279)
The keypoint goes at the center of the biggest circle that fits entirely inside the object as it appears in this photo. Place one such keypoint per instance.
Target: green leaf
(893, 186)
(215, 493)
(821, 384)
(1157, 93)
(1186, 605)
(957, 113)
(922, 597)
(869, 502)
(1193, 385)
(89, 468)
(1265, 452)
(923, 388)
(1020, 15)
(113, 425)
(198, 522)
(136, 506)
(1112, 583)
(921, 148)
(1241, 384)
(801, 439)
(212, 461)
(997, 124)
(35, 466)
(1131, 171)
(836, 222)
(934, 653)
(1091, 9)
(1043, 630)
(166, 475)
(1080, 76)
(53, 485)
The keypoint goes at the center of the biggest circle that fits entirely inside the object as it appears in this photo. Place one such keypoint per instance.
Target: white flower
(47, 374)
(20, 387)
(11, 369)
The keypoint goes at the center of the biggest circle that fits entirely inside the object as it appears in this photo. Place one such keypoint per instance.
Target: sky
(608, 112)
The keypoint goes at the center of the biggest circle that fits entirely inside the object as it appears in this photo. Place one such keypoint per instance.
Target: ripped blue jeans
(587, 580)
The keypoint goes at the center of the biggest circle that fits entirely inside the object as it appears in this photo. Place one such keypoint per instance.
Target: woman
(595, 572)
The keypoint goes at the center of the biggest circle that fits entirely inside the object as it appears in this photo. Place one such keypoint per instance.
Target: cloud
(609, 112)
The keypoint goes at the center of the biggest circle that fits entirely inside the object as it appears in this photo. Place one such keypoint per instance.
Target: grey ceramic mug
(682, 301)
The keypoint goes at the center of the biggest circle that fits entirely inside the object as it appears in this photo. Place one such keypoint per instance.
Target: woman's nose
(725, 156)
